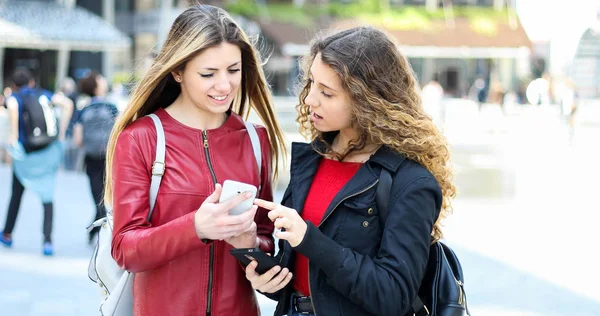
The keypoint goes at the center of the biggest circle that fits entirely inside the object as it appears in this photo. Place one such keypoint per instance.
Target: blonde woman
(361, 106)
(206, 75)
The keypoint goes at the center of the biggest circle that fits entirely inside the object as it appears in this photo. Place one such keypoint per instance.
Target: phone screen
(245, 256)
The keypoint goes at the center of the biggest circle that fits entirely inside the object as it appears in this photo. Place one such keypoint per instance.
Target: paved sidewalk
(502, 278)
(33, 285)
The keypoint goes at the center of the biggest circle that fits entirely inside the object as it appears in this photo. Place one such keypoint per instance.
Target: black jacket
(356, 266)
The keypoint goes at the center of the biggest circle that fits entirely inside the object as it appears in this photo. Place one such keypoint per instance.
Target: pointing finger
(265, 204)
(276, 213)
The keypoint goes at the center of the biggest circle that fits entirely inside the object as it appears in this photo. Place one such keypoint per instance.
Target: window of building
(93, 6)
(41, 63)
(413, 2)
(146, 5)
(417, 66)
(124, 6)
(464, 2)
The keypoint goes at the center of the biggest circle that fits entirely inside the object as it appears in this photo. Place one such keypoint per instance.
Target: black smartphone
(246, 255)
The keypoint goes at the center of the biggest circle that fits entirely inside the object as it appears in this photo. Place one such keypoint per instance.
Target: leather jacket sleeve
(396, 273)
(137, 245)
(264, 225)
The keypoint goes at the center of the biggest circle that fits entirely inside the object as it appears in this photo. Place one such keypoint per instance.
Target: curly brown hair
(386, 104)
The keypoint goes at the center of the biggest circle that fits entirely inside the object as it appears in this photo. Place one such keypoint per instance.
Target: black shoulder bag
(442, 291)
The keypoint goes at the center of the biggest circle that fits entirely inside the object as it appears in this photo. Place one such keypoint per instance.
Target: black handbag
(442, 289)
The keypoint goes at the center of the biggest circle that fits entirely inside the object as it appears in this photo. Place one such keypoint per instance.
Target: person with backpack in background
(91, 132)
(361, 107)
(205, 79)
(36, 149)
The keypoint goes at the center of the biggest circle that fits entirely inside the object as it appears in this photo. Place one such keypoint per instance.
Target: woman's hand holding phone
(269, 282)
(212, 219)
(247, 239)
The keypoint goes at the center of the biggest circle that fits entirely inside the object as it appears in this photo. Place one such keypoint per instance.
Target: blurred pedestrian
(361, 106)
(118, 96)
(35, 149)
(496, 94)
(68, 88)
(206, 76)
(478, 92)
(432, 95)
(71, 159)
(4, 120)
(92, 129)
(5, 128)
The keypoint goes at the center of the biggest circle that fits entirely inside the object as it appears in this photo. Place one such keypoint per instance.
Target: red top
(330, 178)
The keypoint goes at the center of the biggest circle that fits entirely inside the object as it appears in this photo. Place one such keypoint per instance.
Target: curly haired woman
(361, 107)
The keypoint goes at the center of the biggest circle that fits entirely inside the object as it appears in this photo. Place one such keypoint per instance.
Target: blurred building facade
(58, 38)
(585, 70)
(454, 49)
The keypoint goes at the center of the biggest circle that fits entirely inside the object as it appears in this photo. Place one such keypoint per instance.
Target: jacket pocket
(362, 207)
(360, 227)
(363, 203)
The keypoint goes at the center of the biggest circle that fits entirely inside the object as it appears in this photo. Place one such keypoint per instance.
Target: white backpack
(116, 284)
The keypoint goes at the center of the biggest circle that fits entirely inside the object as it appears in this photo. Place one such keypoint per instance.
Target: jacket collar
(388, 158)
(305, 161)
(384, 156)
(234, 122)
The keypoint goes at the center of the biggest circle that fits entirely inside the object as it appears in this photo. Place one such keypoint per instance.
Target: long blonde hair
(386, 104)
(196, 29)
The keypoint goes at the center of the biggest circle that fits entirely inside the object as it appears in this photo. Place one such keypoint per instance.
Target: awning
(48, 25)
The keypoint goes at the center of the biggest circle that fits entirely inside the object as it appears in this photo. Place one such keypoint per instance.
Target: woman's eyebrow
(320, 83)
(215, 69)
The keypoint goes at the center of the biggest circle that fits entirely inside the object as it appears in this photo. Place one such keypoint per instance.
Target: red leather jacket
(175, 272)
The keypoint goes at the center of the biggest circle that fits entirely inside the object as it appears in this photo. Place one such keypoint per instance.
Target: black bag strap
(382, 197)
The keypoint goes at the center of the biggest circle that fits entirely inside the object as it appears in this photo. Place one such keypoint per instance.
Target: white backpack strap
(255, 146)
(158, 167)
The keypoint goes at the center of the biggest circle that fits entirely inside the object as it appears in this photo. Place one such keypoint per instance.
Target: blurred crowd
(543, 91)
(43, 131)
(75, 90)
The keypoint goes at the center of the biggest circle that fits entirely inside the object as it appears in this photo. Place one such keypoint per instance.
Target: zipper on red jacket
(212, 247)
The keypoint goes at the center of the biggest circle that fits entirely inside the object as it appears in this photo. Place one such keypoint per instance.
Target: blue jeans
(292, 312)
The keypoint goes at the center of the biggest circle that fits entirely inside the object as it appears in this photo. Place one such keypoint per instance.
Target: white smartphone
(233, 188)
